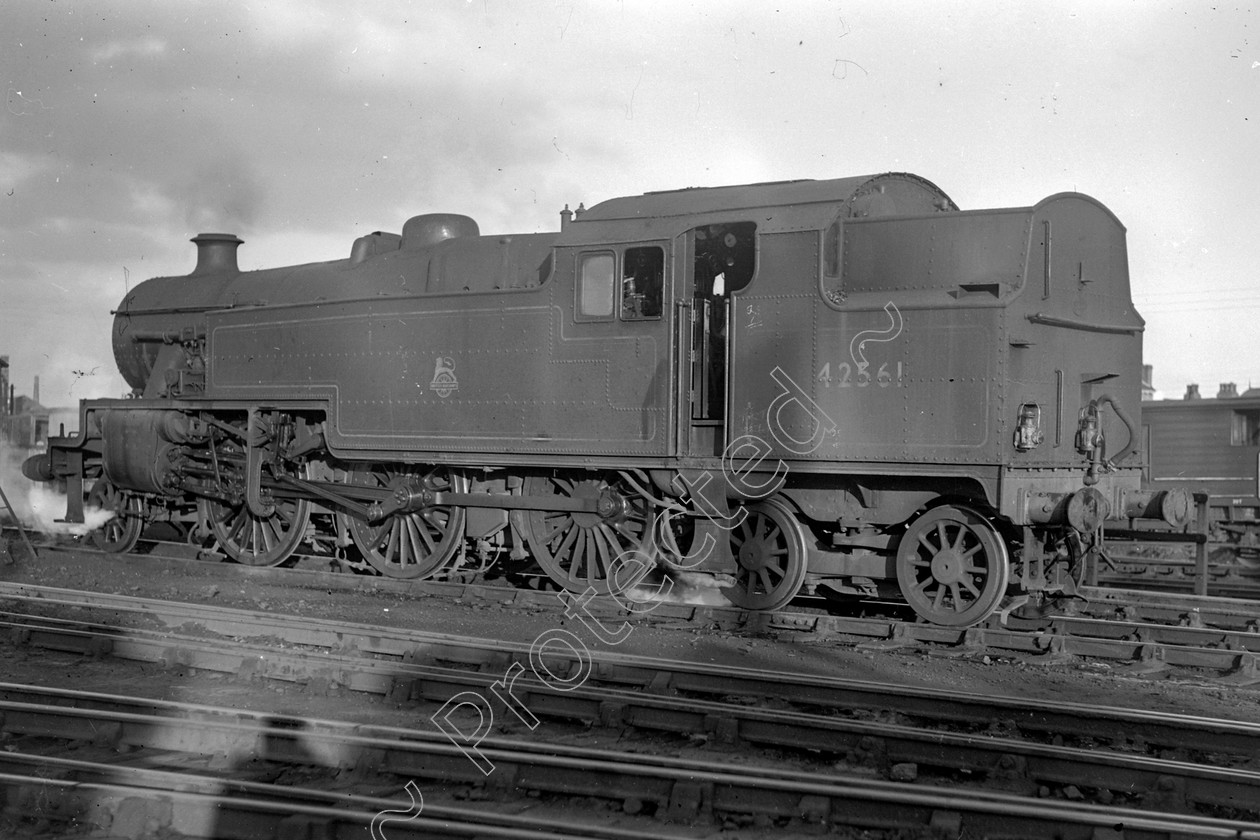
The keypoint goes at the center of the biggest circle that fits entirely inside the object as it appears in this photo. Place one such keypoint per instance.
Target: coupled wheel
(577, 550)
(413, 545)
(769, 550)
(121, 532)
(952, 566)
(253, 540)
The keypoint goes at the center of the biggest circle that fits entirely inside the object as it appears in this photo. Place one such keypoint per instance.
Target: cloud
(291, 123)
(139, 48)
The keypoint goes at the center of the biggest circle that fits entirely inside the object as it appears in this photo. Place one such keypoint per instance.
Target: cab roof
(780, 204)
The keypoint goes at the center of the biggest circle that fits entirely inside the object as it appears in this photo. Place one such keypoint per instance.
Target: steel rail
(211, 816)
(878, 744)
(1238, 614)
(1227, 613)
(308, 802)
(828, 693)
(680, 789)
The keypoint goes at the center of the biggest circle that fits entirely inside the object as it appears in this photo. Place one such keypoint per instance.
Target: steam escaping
(47, 506)
(692, 588)
(38, 506)
(222, 194)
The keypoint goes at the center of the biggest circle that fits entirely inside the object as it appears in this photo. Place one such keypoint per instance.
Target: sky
(298, 125)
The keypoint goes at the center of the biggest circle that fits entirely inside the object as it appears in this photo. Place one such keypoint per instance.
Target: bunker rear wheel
(769, 550)
(413, 545)
(120, 533)
(577, 549)
(952, 566)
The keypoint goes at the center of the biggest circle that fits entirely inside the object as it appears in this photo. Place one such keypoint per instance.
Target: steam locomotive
(847, 387)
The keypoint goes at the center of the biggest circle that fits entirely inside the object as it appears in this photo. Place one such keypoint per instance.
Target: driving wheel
(577, 549)
(412, 545)
(257, 540)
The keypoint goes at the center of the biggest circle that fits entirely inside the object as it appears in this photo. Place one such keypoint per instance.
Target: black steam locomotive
(844, 386)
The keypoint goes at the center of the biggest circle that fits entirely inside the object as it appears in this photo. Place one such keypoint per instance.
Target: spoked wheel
(121, 532)
(410, 545)
(769, 549)
(253, 540)
(577, 549)
(952, 566)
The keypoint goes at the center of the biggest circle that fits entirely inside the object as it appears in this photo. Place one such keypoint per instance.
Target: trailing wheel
(121, 532)
(769, 549)
(577, 549)
(952, 566)
(253, 540)
(410, 545)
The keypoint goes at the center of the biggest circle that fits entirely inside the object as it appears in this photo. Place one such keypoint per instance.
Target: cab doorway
(722, 261)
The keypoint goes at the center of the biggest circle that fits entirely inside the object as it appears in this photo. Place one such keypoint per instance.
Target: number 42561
(845, 376)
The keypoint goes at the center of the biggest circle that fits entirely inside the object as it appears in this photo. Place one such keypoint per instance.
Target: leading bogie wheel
(121, 532)
(952, 566)
(769, 549)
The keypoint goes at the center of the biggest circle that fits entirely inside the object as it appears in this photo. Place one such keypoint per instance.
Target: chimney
(216, 252)
(4, 386)
(35, 392)
(1192, 392)
(1228, 390)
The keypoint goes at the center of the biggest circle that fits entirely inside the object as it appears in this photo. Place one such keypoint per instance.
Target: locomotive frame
(847, 386)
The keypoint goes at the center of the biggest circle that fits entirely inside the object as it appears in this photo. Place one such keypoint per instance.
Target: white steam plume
(693, 588)
(38, 505)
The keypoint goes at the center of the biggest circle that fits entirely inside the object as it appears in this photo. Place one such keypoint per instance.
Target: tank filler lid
(432, 228)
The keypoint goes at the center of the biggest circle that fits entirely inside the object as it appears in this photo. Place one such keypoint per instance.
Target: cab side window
(642, 283)
(595, 285)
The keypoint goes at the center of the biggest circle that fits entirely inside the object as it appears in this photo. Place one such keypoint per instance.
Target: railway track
(1037, 747)
(1232, 570)
(209, 746)
(1145, 632)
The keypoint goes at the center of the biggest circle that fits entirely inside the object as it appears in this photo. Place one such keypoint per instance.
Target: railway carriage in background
(845, 386)
(1211, 446)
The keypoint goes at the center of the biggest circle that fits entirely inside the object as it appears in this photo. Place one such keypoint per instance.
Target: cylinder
(136, 454)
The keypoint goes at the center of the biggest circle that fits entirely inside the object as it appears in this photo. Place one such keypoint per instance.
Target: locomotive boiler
(844, 386)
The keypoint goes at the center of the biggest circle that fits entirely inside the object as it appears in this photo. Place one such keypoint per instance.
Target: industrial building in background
(23, 420)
